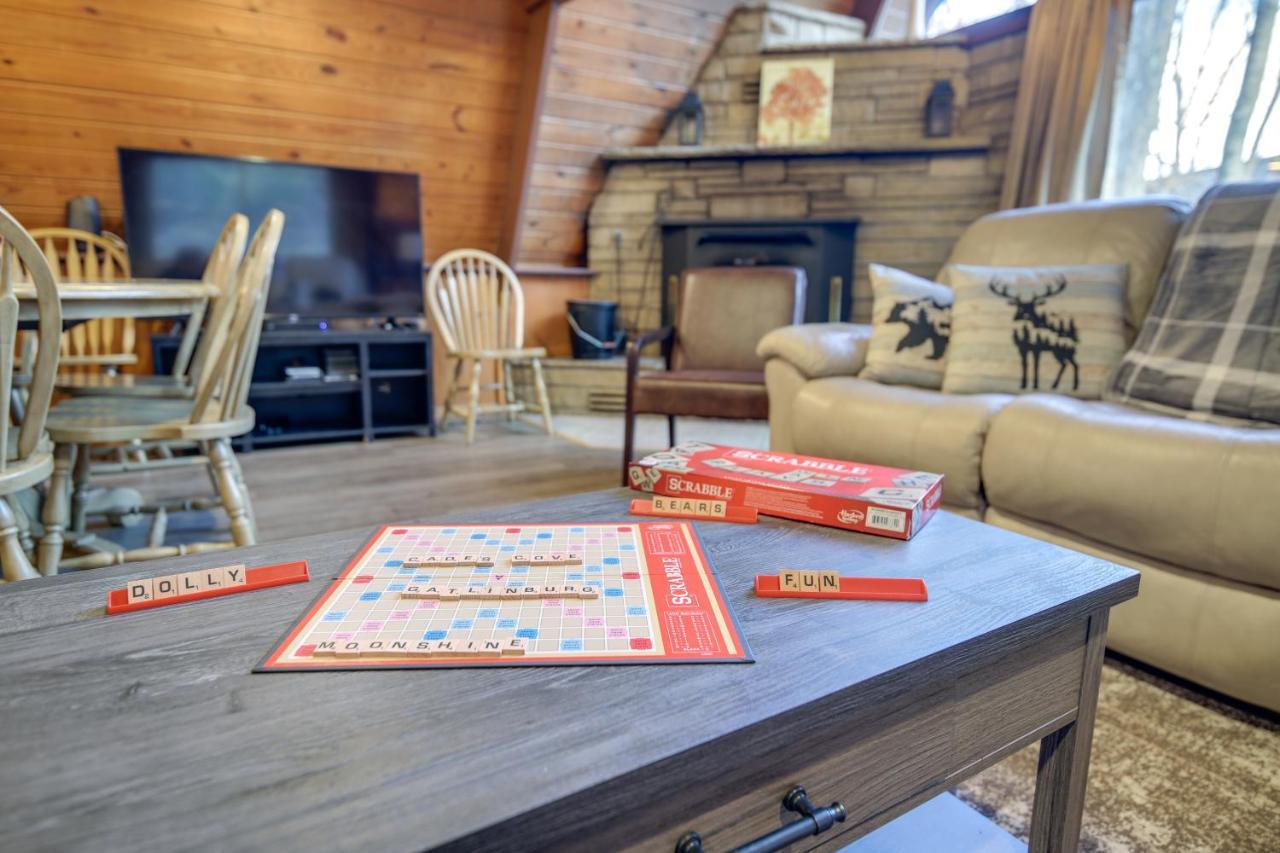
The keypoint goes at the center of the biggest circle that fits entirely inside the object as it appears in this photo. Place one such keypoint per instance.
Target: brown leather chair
(712, 367)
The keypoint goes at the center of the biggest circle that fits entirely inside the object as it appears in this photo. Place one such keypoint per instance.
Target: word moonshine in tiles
(544, 594)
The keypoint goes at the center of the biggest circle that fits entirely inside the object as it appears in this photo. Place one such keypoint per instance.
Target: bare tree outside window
(1196, 100)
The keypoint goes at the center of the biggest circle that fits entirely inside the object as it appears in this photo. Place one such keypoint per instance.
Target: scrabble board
(527, 595)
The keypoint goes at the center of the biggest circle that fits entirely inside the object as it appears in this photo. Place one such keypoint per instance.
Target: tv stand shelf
(389, 394)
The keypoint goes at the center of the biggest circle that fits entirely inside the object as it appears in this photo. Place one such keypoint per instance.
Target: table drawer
(881, 763)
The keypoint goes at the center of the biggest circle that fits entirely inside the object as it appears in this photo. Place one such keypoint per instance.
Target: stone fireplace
(823, 248)
(887, 193)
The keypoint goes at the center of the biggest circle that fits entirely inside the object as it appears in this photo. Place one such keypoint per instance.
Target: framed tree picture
(795, 101)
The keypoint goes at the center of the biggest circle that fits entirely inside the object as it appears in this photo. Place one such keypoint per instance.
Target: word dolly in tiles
(518, 594)
(146, 593)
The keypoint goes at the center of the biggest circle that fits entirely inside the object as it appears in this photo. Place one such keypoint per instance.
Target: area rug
(1172, 770)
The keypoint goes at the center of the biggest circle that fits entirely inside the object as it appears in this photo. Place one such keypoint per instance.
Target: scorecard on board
(518, 595)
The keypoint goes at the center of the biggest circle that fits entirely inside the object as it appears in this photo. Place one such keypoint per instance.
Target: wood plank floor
(303, 490)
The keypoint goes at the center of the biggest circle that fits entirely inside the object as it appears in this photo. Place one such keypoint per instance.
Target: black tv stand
(379, 384)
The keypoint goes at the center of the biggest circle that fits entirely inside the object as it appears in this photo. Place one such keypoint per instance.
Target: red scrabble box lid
(838, 492)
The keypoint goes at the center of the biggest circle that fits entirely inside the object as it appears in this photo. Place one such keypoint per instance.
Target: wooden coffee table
(147, 731)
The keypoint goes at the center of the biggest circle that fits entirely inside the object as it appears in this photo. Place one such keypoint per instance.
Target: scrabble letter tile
(515, 647)
(235, 575)
(809, 581)
(140, 590)
(165, 587)
(829, 581)
(789, 579)
(588, 592)
(190, 582)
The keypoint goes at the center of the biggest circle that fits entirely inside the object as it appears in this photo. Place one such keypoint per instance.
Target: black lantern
(689, 119)
(940, 109)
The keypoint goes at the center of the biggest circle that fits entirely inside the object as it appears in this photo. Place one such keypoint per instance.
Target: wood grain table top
(137, 297)
(148, 731)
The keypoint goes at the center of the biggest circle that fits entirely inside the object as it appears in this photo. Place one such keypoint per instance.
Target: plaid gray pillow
(1210, 345)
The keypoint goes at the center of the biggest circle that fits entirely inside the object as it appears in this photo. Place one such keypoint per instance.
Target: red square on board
(362, 578)
(624, 529)
(306, 651)
(641, 643)
(399, 532)
(631, 576)
(513, 529)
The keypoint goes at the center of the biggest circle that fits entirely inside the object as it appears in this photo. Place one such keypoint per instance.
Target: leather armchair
(712, 369)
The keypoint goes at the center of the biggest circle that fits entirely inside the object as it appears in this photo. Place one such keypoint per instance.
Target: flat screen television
(352, 244)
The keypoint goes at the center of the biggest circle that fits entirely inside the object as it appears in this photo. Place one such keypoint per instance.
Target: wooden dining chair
(205, 329)
(107, 343)
(25, 457)
(216, 413)
(207, 325)
(477, 306)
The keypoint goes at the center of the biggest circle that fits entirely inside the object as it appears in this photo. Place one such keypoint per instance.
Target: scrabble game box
(867, 498)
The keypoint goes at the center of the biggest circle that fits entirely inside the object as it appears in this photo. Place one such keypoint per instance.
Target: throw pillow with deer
(911, 328)
(1022, 329)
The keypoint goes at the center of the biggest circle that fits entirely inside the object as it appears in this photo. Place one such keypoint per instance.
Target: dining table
(149, 298)
(140, 298)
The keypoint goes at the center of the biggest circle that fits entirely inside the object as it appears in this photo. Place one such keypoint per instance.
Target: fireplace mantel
(896, 148)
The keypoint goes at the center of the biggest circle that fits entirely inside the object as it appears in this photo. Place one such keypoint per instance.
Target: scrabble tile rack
(851, 589)
(256, 577)
(734, 514)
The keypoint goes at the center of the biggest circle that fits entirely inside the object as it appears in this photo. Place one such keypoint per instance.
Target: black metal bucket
(593, 328)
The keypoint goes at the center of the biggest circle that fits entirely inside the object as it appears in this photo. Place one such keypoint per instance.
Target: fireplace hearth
(823, 248)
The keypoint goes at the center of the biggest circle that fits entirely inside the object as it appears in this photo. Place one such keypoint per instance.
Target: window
(948, 15)
(1196, 98)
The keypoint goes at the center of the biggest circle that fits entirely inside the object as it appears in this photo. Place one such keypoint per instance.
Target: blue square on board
(528, 633)
(574, 576)
(462, 623)
(480, 570)
(577, 530)
(507, 548)
(487, 614)
(386, 550)
(520, 570)
(405, 572)
(395, 587)
(611, 561)
(450, 530)
(335, 616)
(435, 635)
(635, 611)
(370, 596)
(594, 569)
(544, 535)
(479, 536)
(393, 563)
(419, 578)
(526, 541)
(613, 592)
(570, 645)
(492, 541)
(627, 546)
(505, 623)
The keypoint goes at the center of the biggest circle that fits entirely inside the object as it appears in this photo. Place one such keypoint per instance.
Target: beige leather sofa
(1194, 506)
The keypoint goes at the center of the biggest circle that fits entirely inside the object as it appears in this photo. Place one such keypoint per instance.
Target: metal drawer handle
(814, 820)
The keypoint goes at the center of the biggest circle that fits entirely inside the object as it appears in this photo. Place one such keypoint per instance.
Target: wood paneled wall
(618, 67)
(427, 86)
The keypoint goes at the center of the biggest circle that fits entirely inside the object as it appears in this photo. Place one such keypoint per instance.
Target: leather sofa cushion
(707, 393)
(1136, 232)
(1219, 633)
(1193, 494)
(900, 426)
